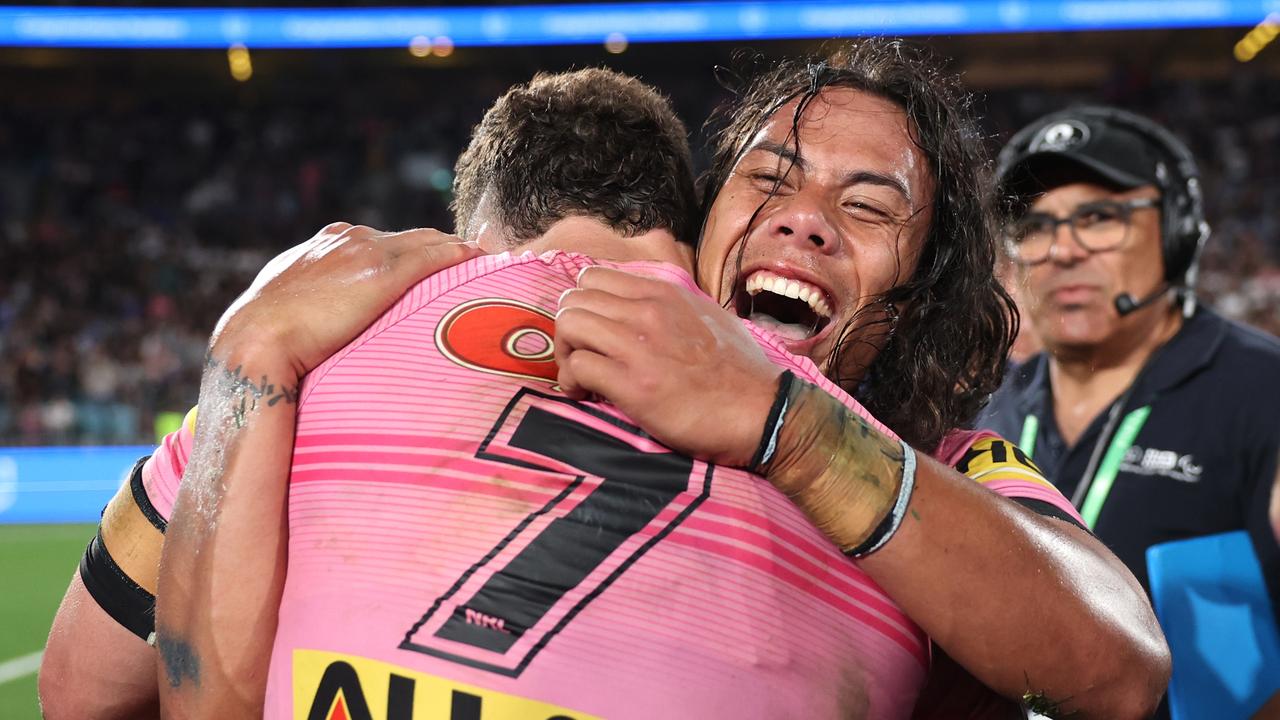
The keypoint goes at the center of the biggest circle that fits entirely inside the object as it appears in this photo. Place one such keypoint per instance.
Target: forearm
(1026, 604)
(223, 564)
(1029, 605)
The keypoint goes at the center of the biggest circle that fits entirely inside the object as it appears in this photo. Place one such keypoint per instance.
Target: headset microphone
(1125, 303)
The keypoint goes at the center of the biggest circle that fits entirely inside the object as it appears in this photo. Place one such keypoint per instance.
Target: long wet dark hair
(944, 334)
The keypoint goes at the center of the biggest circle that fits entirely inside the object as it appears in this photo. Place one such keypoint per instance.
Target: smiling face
(839, 223)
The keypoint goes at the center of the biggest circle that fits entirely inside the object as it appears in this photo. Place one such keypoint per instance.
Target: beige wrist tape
(845, 474)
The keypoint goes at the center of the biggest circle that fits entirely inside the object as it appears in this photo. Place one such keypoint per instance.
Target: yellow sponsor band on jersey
(992, 459)
(333, 686)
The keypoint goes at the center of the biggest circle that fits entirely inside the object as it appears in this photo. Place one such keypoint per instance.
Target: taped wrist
(845, 474)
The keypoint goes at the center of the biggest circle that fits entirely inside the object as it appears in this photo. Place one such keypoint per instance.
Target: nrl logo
(1061, 136)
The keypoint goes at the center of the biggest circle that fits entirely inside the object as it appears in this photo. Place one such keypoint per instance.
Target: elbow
(1152, 680)
(1134, 682)
(1141, 695)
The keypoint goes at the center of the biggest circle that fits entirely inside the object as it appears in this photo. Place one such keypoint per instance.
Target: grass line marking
(20, 667)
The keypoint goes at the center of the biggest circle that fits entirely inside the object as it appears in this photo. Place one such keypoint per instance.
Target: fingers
(600, 302)
(619, 282)
(414, 255)
(584, 372)
(335, 228)
(581, 329)
(597, 335)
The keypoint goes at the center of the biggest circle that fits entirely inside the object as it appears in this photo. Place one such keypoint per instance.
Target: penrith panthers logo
(499, 336)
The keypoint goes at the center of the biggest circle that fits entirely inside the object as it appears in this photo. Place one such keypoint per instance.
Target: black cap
(1078, 144)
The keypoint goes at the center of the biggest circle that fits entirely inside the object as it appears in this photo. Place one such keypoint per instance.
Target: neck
(1086, 379)
(591, 237)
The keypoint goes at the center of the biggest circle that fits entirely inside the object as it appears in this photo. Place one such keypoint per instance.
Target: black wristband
(772, 423)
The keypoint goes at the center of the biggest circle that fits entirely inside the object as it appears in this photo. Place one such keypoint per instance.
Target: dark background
(141, 190)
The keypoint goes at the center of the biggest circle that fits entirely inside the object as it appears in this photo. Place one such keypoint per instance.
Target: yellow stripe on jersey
(993, 458)
(189, 422)
(330, 686)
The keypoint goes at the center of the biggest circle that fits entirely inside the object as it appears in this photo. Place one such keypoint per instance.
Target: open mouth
(792, 309)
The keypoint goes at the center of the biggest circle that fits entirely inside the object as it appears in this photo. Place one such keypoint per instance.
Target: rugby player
(987, 466)
(482, 619)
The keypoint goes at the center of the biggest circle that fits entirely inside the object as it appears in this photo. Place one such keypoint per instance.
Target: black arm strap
(115, 592)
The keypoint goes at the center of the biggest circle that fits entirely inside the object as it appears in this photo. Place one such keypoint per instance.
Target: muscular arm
(223, 563)
(76, 682)
(223, 566)
(97, 663)
(1029, 605)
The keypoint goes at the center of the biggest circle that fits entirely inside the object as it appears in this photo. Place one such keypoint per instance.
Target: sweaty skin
(845, 223)
(956, 564)
(223, 564)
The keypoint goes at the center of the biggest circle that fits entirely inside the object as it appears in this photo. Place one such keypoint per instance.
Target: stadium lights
(615, 43)
(591, 24)
(420, 46)
(1258, 38)
(241, 65)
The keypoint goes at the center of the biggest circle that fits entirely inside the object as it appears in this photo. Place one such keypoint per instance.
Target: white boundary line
(20, 667)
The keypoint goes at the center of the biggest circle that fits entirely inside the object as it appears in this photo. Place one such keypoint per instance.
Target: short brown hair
(589, 142)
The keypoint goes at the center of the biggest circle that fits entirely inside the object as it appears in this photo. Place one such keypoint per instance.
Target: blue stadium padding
(1213, 605)
(336, 27)
(61, 484)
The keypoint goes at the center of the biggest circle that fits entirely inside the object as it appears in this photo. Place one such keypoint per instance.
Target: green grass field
(36, 562)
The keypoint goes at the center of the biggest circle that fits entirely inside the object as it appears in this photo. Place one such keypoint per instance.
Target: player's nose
(801, 218)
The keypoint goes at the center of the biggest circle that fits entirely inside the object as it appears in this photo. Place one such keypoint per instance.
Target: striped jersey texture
(467, 542)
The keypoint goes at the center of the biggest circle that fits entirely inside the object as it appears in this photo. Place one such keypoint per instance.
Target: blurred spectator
(131, 215)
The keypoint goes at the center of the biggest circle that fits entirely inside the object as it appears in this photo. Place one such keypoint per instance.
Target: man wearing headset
(1158, 418)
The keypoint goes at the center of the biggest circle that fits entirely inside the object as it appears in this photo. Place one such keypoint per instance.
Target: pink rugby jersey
(467, 543)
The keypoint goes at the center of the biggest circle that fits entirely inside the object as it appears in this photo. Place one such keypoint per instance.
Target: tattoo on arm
(180, 660)
(249, 393)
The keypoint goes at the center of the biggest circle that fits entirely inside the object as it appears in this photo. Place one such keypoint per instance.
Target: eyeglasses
(1096, 227)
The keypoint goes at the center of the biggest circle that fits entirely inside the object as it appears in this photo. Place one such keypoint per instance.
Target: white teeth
(763, 280)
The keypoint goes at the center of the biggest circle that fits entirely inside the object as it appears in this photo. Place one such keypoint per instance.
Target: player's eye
(766, 178)
(862, 209)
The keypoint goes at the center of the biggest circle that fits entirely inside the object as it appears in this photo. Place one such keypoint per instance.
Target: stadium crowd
(128, 222)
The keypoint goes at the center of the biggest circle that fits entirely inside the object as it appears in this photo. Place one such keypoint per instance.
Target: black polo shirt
(1203, 460)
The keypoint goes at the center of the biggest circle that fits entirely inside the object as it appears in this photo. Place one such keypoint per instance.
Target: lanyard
(1099, 486)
